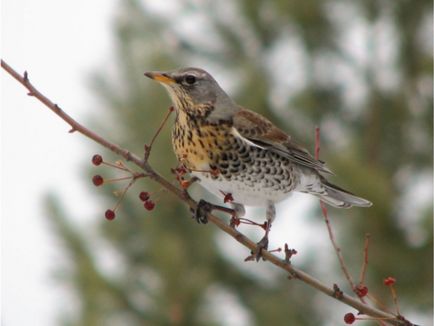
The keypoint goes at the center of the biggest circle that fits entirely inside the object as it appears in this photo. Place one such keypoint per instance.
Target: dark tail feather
(338, 197)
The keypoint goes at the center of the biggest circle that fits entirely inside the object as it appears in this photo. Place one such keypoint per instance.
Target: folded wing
(262, 133)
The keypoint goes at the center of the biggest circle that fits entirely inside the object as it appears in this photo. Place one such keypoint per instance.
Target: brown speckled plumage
(259, 164)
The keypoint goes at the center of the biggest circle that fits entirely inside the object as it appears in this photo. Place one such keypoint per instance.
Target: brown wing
(263, 133)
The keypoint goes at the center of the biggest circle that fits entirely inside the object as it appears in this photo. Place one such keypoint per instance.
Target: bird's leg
(239, 211)
(263, 243)
(204, 208)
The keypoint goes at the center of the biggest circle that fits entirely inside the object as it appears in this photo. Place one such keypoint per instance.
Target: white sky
(59, 43)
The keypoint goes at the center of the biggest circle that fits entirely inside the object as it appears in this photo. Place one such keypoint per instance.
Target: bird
(234, 151)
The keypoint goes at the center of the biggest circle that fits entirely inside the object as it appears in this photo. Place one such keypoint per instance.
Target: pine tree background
(360, 70)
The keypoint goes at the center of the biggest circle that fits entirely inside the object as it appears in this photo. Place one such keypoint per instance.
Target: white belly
(256, 194)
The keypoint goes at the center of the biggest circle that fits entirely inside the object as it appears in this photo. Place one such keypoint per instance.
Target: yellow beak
(160, 77)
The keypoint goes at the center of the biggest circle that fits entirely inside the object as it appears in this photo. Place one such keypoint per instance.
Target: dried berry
(149, 205)
(110, 214)
(180, 170)
(389, 281)
(97, 180)
(349, 318)
(96, 159)
(361, 290)
(228, 198)
(185, 184)
(144, 196)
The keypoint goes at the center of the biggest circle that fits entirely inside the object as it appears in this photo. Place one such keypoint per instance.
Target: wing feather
(256, 129)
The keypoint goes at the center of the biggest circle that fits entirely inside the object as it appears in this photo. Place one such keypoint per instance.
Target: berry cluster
(147, 202)
(98, 180)
(362, 290)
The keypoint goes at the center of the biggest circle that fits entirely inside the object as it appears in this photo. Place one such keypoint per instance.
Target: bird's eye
(190, 79)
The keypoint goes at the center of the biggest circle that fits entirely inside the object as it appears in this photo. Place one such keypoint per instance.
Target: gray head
(194, 88)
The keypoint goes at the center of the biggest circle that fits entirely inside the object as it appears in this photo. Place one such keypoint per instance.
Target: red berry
(180, 170)
(97, 159)
(228, 198)
(349, 318)
(144, 196)
(97, 180)
(149, 205)
(110, 214)
(389, 281)
(361, 290)
(235, 221)
(185, 184)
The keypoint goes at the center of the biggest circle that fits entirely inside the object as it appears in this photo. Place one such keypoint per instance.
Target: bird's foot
(202, 210)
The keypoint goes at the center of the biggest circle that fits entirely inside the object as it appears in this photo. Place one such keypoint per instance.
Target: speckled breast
(252, 175)
(198, 145)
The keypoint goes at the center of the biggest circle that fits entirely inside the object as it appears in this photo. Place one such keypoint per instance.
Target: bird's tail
(338, 197)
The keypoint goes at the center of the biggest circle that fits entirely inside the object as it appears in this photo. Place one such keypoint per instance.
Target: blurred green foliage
(361, 70)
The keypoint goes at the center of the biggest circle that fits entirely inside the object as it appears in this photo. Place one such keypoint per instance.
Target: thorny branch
(284, 264)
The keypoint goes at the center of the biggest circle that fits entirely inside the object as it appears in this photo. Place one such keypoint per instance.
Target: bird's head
(192, 89)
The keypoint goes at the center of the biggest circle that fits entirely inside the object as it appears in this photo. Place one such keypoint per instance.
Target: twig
(182, 195)
(365, 259)
(395, 299)
(327, 221)
(337, 249)
(317, 142)
(148, 148)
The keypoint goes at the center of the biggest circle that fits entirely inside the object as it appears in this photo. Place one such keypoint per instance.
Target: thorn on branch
(275, 250)
(289, 253)
(25, 77)
(128, 156)
(251, 257)
(292, 275)
(337, 292)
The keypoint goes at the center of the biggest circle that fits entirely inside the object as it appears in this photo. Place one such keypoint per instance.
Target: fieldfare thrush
(257, 163)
